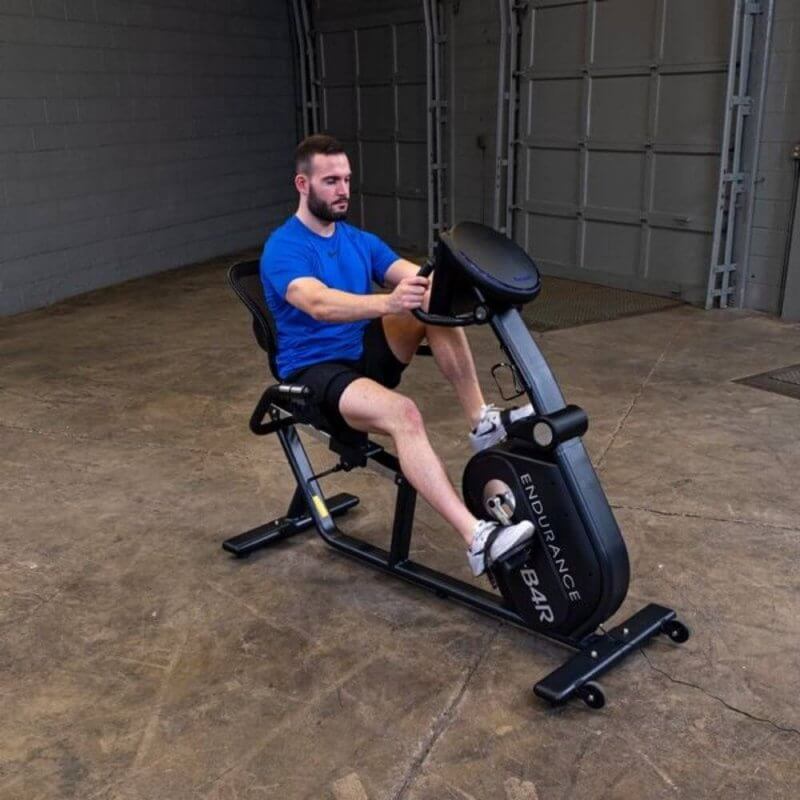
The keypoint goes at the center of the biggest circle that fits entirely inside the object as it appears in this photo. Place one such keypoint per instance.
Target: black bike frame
(597, 652)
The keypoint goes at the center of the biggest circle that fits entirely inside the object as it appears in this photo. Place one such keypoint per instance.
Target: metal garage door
(620, 121)
(372, 70)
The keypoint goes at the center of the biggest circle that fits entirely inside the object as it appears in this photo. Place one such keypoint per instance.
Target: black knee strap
(487, 561)
(487, 548)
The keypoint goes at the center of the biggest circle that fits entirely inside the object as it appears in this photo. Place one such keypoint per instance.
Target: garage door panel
(675, 253)
(375, 60)
(520, 228)
(559, 39)
(413, 221)
(410, 67)
(625, 32)
(697, 31)
(613, 248)
(615, 180)
(413, 169)
(555, 109)
(619, 109)
(410, 99)
(377, 111)
(350, 146)
(686, 185)
(552, 239)
(373, 87)
(691, 110)
(552, 176)
(340, 112)
(618, 157)
(379, 215)
(377, 159)
(339, 57)
(354, 216)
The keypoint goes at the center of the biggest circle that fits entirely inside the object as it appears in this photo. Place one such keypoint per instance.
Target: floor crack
(783, 728)
(445, 719)
(707, 518)
(639, 392)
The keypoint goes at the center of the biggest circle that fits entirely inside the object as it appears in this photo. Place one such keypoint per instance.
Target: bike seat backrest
(474, 255)
(245, 280)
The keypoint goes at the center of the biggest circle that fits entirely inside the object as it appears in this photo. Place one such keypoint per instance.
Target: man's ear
(301, 182)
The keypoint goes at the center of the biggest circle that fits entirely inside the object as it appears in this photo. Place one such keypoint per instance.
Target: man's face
(329, 187)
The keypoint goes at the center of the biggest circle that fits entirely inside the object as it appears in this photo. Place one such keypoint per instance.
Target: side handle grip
(273, 395)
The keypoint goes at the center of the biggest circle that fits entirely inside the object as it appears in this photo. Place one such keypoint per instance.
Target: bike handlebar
(476, 317)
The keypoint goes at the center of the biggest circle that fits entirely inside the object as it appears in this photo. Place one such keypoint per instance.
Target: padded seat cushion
(499, 268)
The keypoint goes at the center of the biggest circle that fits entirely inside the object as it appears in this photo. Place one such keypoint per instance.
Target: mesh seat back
(245, 279)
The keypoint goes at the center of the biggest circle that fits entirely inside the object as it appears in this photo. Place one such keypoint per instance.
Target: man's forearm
(333, 305)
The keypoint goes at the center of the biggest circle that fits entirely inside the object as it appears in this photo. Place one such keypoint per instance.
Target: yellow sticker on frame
(319, 503)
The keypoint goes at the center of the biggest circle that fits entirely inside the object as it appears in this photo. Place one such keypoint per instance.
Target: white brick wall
(137, 136)
(781, 132)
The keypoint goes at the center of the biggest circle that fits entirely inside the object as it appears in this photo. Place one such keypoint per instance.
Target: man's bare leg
(453, 356)
(368, 406)
(451, 351)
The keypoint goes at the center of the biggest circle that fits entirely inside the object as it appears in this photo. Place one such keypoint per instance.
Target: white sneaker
(491, 427)
(507, 538)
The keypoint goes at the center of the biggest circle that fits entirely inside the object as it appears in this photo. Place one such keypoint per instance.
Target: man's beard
(322, 210)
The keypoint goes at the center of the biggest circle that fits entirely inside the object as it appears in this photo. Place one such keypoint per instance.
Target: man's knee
(404, 417)
(366, 403)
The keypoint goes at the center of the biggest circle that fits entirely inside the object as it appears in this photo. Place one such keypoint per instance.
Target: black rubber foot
(599, 653)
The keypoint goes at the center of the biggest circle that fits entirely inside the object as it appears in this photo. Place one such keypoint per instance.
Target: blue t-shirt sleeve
(283, 261)
(381, 257)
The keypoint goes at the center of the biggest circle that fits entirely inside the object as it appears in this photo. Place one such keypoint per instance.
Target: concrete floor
(140, 662)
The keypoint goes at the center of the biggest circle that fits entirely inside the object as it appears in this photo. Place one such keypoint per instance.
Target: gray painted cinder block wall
(137, 136)
(780, 133)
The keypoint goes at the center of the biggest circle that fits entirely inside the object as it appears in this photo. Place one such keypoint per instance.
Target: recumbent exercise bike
(573, 574)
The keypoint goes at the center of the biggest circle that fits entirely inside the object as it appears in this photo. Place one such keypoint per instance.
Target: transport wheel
(676, 631)
(592, 694)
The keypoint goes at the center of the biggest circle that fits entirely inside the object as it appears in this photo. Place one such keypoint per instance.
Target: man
(351, 345)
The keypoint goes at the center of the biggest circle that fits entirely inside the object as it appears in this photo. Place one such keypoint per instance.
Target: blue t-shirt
(349, 261)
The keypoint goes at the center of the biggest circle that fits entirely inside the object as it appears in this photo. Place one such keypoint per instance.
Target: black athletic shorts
(329, 379)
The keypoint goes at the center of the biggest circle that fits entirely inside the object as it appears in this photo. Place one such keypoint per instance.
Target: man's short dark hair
(318, 144)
